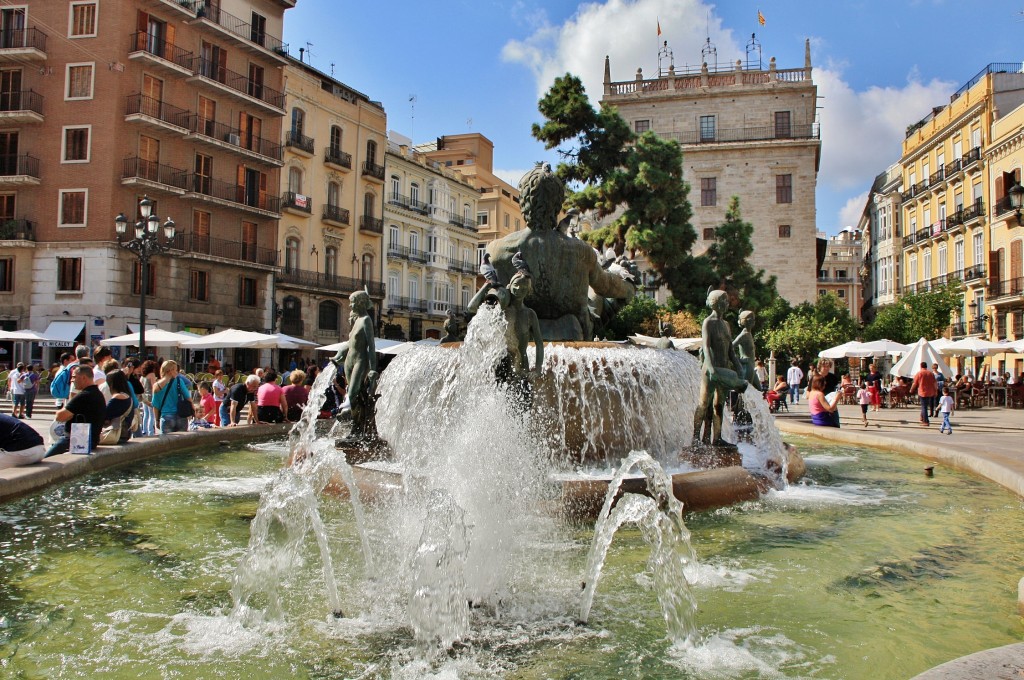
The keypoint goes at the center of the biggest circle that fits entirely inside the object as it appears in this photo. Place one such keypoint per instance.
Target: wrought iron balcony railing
(141, 41)
(335, 213)
(338, 157)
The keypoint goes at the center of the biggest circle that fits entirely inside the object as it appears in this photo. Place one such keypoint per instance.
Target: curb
(1000, 663)
(20, 481)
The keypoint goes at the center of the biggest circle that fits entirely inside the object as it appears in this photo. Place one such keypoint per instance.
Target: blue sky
(480, 65)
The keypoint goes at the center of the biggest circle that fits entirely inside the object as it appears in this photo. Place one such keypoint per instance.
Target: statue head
(718, 300)
(360, 302)
(746, 319)
(521, 285)
(541, 195)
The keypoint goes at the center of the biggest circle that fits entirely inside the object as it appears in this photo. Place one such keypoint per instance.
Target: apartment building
(840, 270)
(430, 216)
(945, 218)
(746, 131)
(880, 227)
(332, 197)
(1004, 159)
(103, 102)
(498, 213)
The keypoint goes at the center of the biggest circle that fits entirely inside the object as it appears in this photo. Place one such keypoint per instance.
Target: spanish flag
(659, 28)
(760, 18)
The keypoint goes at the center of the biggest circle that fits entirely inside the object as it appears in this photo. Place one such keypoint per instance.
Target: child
(946, 407)
(865, 399)
(207, 415)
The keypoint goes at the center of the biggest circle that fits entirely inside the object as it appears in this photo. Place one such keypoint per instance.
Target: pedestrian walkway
(986, 441)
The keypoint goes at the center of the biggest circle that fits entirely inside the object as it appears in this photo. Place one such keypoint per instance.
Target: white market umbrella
(973, 347)
(879, 347)
(155, 337)
(921, 352)
(23, 336)
(845, 350)
(1016, 347)
(232, 337)
(378, 343)
(940, 344)
(289, 342)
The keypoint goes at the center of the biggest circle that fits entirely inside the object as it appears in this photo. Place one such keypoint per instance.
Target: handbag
(81, 436)
(186, 409)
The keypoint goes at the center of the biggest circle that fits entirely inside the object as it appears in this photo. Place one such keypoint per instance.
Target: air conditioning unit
(232, 138)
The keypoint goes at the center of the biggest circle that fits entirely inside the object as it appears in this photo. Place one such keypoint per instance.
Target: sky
(456, 66)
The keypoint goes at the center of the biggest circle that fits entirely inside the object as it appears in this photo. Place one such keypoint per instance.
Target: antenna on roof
(709, 53)
(332, 69)
(412, 116)
(753, 45)
(309, 52)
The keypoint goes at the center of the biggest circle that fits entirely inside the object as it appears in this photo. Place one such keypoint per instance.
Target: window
(368, 268)
(201, 231)
(73, 204)
(785, 231)
(642, 126)
(840, 273)
(295, 180)
(481, 219)
(249, 232)
(709, 233)
(137, 278)
(783, 188)
(331, 261)
(783, 129)
(841, 293)
(506, 220)
(255, 80)
(82, 20)
(247, 292)
(333, 194)
(371, 152)
(394, 239)
(396, 187)
(708, 190)
(335, 139)
(330, 313)
(298, 123)
(76, 144)
(79, 80)
(6, 274)
(69, 273)
(707, 128)
(414, 194)
(258, 28)
(203, 182)
(291, 254)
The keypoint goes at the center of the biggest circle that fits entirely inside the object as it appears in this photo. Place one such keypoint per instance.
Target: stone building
(430, 222)
(745, 131)
(840, 270)
(946, 221)
(332, 198)
(472, 155)
(102, 103)
(879, 224)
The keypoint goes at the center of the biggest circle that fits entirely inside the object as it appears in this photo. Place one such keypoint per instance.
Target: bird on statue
(488, 271)
(519, 263)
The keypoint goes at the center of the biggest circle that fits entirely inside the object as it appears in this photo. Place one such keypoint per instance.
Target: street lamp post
(145, 245)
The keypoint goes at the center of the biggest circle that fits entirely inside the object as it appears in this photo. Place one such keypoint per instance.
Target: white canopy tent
(921, 352)
(973, 347)
(884, 346)
(232, 337)
(155, 337)
(851, 349)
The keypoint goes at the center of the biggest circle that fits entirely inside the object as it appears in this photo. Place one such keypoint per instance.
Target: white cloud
(511, 176)
(849, 214)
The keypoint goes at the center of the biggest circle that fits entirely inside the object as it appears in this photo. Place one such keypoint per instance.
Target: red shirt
(924, 383)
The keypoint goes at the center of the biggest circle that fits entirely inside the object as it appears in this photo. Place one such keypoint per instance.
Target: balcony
(236, 85)
(185, 8)
(234, 140)
(20, 170)
(976, 327)
(951, 168)
(194, 244)
(462, 222)
(746, 134)
(155, 114)
(836, 279)
(336, 158)
(22, 44)
(297, 203)
(371, 225)
(970, 159)
(973, 212)
(1013, 287)
(333, 214)
(319, 281)
(407, 253)
(153, 176)
(252, 37)
(18, 108)
(936, 177)
(159, 54)
(371, 169)
(299, 142)
(230, 195)
(408, 304)
(17, 230)
(975, 273)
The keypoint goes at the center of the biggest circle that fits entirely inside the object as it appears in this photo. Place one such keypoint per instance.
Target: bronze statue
(360, 365)
(564, 269)
(451, 328)
(744, 346)
(718, 377)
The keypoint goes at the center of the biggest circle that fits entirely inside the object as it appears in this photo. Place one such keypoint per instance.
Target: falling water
(660, 518)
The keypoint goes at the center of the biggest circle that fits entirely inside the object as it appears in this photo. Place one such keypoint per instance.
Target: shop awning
(62, 333)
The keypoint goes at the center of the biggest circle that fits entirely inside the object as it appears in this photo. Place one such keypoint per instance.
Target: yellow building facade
(944, 211)
(332, 193)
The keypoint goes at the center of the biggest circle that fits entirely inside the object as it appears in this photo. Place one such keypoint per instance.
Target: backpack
(60, 386)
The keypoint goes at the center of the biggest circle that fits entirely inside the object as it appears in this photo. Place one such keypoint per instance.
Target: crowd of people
(119, 401)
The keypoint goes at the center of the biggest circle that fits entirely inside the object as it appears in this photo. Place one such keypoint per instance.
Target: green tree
(638, 178)
(632, 318)
(916, 315)
(812, 328)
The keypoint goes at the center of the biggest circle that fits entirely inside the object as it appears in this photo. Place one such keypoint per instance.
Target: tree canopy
(811, 328)
(916, 315)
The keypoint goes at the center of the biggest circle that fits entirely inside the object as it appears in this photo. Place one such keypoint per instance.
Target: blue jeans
(926, 408)
(945, 423)
(794, 394)
(173, 423)
(225, 413)
(148, 421)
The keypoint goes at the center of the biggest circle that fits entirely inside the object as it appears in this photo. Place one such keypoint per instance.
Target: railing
(233, 136)
(408, 304)
(291, 199)
(299, 141)
(460, 221)
(26, 100)
(237, 82)
(233, 193)
(140, 168)
(329, 282)
(374, 224)
(835, 279)
(231, 250)
(951, 168)
(20, 38)
(140, 41)
(958, 328)
(373, 170)
(338, 157)
(407, 253)
(746, 134)
(976, 327)
(1003, 205)
(972, 156)
(14, 165)
(973, 273)
(242, 28)
(154, 108)
(335, 213)
(22, 230)
(936, 177)
(1006, 287)
(973, 212)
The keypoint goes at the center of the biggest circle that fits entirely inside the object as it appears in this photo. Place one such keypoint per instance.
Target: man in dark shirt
(19, 443)
(241, 394)
(88, 403)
